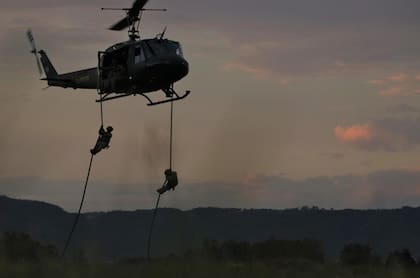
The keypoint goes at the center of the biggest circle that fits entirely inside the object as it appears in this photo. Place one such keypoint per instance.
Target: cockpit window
(157, 47)
(179, 51)
(147, 50)
(139, 55)
(175, 47)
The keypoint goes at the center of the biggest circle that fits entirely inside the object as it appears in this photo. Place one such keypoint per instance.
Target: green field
(182, 268)
(20, 256)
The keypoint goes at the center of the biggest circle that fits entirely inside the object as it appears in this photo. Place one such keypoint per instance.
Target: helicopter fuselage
(134, 66)
(141, 66)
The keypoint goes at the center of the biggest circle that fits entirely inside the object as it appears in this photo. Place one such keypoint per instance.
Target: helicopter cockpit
(157, 48)
(144, 50)
(171, 47)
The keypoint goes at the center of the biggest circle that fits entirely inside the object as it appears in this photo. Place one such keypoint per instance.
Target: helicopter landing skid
(169, 93)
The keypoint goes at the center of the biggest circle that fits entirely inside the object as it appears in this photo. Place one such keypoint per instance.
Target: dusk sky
(293, 103)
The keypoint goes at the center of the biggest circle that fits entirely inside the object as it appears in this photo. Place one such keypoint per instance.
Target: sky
(293, 103)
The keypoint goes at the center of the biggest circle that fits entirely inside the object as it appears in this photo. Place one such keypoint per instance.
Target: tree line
(276, 250)
(20, 247)
(272, 249)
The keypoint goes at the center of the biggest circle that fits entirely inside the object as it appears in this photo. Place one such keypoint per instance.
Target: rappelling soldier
(103, 140)
(171, 181)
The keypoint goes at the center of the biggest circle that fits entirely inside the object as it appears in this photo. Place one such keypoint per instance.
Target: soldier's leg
(97, 147)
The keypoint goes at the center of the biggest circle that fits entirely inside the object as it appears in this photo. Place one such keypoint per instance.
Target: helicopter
(133, 67)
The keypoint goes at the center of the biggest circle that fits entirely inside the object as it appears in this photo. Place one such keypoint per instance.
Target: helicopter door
(119, 60)
(114, 62)
(114, 71)
(104, 64)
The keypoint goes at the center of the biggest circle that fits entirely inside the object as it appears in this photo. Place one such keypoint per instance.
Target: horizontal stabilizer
(60, 82)
(57, 79)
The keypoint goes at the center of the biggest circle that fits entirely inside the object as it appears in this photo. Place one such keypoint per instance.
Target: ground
(182, 268)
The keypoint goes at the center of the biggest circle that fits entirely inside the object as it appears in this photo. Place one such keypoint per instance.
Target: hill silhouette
(117, 234)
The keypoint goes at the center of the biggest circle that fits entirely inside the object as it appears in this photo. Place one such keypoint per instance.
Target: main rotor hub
(133, 32)
(132, 18)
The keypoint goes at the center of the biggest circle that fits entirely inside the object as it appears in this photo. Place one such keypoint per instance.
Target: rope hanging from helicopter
(94, 151)
(171, 181)
(76, 220)
(102, 113)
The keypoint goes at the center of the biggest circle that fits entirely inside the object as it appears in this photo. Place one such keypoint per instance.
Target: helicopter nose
(168, 71)
(179, 67)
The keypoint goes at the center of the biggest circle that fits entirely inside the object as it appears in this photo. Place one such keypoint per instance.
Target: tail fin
(47, 65)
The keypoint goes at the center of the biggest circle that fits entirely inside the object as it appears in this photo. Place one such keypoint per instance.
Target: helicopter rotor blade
(122, 24)
(34, 50)
(132, 16)
(138, 5)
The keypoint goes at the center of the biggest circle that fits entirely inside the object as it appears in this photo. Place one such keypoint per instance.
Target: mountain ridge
(117, 234)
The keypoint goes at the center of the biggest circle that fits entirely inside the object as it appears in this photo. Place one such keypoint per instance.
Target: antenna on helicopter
(161, 35)
(34, 50)
(133, 16)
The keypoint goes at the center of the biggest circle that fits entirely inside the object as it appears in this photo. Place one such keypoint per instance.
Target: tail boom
(82, 79)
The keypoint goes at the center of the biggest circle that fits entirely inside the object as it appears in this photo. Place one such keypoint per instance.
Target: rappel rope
(149, 239)
(171, 135)
(76, 220)
(99, 88)
(102, 112)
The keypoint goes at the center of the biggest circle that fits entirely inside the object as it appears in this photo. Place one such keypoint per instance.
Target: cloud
(356, 134)
(280, 40)
(377, 82)
(249, 178)
(402, 77)
(394, 92)
(380, 189)
(402, 108)
(408, 85)
(397, 133)
(258, 73)
(365, 137)
(401, 91)
(325, 51)
(335, 156)
(277, 40)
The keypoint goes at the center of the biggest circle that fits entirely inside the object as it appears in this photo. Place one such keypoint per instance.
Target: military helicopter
(134, 67)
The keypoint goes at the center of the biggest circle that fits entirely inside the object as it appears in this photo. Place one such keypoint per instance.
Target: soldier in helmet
(170, 183)
(103, 140)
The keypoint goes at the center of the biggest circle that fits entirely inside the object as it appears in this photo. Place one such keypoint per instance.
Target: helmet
(109, 129)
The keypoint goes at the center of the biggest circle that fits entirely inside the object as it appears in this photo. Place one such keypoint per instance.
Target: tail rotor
(34, 50)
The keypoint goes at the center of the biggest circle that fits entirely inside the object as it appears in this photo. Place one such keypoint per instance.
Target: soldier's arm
(101, 130)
